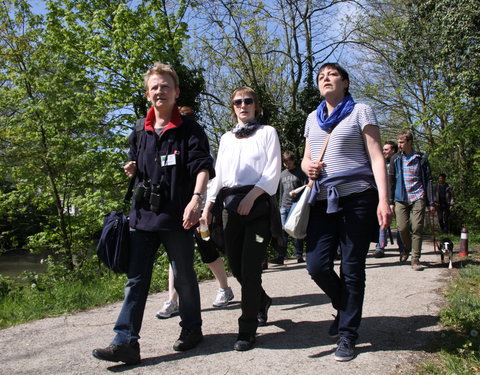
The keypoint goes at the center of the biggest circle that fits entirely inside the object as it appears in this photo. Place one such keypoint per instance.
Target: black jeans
(352, 228)
(246, 247)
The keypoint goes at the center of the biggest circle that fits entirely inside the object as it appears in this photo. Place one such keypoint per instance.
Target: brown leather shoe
(416, 266)
(404, 256)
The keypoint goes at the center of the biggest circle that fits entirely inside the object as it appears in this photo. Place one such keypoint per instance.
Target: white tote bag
(297, 220)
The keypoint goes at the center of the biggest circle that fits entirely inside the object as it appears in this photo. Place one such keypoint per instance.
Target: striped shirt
(345, 149)
(411, 177)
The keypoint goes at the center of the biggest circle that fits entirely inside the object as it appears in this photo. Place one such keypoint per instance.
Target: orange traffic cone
(463, 243)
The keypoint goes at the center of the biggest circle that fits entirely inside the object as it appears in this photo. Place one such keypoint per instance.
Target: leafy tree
(70, 85)
(423, 72)
(272, 46)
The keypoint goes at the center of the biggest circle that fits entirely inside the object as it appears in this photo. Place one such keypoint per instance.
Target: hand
(130, 169)
(432, 209)
(192, 212)
(206, 218)
(314, 169)
(384, 215)
(245, 205)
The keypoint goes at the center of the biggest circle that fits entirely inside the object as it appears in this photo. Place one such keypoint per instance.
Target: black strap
(139, 127)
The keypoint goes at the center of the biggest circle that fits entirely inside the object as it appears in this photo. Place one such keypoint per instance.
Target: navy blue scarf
(247, 130)
(342, 110)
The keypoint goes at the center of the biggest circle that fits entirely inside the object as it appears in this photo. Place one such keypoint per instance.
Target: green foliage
(464, 302)
(459, 344)
(423, 73)
(71, 84)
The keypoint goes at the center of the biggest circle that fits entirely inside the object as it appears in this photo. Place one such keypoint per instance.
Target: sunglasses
(246, 101)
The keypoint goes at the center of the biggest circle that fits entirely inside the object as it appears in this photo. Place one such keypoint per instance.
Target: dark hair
(443, 175)
(393, 144)
(338, 68)
(288, 155)
(249, 91)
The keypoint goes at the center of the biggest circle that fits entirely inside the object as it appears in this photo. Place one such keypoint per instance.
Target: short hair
(288, 155)
(159, 68)
(393, 145)
(406, 135)
(249, 91)
(338, 68)
(443, 175)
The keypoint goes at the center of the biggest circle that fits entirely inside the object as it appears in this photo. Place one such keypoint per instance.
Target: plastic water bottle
(204, 232)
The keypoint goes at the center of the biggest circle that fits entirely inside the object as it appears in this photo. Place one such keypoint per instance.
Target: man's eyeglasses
(238, 102)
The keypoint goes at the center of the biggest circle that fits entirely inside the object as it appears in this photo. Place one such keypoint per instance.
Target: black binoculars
(145, 192)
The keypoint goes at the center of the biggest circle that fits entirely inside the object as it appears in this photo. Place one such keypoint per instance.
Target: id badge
(167, 160)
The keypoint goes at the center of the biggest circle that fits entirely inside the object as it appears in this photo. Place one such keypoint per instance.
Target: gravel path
(400, 318)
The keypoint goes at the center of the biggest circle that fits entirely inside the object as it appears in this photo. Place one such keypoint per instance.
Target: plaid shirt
(412, 177)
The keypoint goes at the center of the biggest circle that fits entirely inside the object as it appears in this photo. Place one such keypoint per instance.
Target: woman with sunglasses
(248, 172)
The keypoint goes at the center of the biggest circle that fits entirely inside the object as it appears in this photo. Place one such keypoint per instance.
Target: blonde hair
(159, 68)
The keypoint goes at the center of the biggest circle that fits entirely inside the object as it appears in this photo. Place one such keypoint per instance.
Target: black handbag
(113, 248)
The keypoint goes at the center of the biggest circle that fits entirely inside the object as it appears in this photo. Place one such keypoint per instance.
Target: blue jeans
(297, 243)
(353, 227)
(144, 245)
(383, 240)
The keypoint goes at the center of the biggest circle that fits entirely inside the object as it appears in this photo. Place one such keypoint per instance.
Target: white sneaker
(169, 308)
(223, 297)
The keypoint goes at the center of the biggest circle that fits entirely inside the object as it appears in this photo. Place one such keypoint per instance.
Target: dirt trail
(400, 318)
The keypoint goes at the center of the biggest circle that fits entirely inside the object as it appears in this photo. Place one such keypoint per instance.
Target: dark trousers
(352, 228)
(246, 247)
(443, 214)
(144, 245)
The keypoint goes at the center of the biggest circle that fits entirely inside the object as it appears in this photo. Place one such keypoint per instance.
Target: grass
(457, 347)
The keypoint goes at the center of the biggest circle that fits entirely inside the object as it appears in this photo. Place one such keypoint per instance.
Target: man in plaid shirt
(411, 190)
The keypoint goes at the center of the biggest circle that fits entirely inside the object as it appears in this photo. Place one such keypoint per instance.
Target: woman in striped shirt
(349, 199)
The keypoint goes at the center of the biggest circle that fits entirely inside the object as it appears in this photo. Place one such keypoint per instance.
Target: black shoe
(264, 265)
(189, 338)
(378, 253)
(114, 353)
(262, 315)
(278, 261)
(333, 330)
(244, 342)
(300, 260)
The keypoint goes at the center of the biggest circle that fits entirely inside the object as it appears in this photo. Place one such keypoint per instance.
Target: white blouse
(255, 160)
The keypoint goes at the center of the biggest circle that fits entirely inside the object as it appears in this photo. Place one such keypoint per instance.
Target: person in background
(291, 178)
(389, 149)
(172, 166)
(445, 200)
(411, 190)
(212, 259)
(352, 176)
(241, 198)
